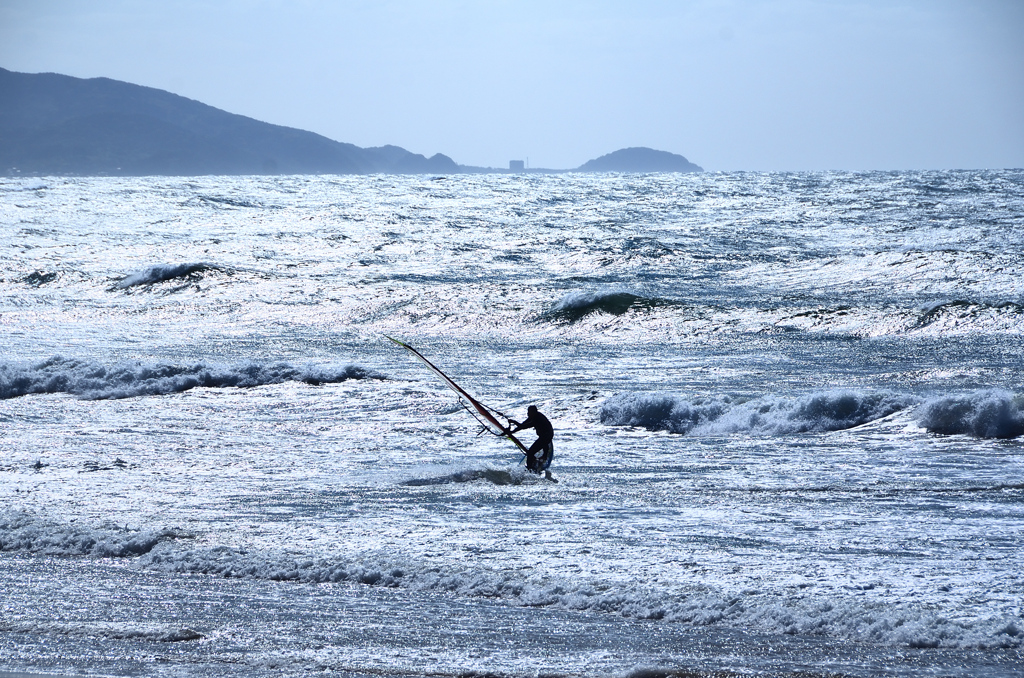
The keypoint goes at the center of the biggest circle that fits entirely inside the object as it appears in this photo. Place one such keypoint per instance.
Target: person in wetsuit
(539, 456)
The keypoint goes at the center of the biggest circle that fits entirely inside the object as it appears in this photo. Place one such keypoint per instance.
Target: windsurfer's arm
(519, 427)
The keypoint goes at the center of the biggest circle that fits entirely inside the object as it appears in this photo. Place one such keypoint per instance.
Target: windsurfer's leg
(532, 458)
(544, 461)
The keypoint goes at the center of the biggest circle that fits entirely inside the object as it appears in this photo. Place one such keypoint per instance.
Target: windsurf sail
(485, 413)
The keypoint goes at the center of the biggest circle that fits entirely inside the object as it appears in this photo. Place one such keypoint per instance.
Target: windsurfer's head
(532, 409)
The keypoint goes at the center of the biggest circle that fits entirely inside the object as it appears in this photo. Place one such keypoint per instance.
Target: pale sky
(732, 85)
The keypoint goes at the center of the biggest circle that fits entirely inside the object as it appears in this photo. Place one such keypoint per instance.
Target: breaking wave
(880, 621)
(579, 304)
(984, 414)
(94, 381)
(164, 272)
(769, 415)
(25, 532)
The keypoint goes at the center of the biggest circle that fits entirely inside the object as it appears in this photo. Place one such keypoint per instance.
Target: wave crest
(189, 272)
(577, 305)
(770, 415)
(661, 412)
(991, 413)
(24, 532)
(94, 381)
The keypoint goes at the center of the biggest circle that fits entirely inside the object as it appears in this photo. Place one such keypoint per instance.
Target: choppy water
(788, 413)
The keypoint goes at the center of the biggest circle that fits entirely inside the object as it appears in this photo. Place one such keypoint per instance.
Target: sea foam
(878, 621)
(21, 531)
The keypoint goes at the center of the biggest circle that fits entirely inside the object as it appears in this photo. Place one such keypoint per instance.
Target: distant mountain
(639, 160)
(57, 124)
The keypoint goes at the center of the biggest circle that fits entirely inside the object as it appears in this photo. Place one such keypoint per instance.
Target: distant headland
(54, 124)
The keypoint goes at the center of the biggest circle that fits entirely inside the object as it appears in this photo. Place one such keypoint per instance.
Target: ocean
(788, 411)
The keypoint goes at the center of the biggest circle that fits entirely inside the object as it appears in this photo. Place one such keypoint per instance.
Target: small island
(639, 159)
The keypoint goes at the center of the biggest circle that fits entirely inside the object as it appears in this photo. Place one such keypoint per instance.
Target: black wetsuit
(545, 434)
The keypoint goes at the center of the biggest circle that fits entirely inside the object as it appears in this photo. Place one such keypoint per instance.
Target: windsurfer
(538, 457)
(534, 420)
